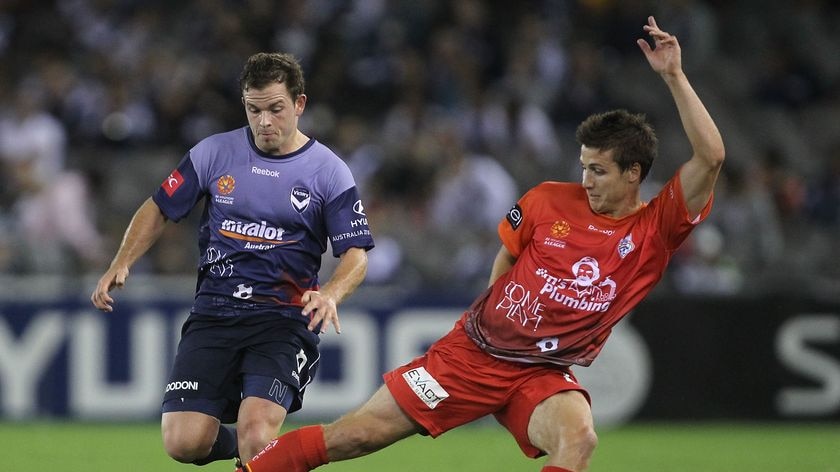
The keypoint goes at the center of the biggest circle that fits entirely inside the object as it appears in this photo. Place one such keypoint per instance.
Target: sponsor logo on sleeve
(171, 184)
(359, 208)
(425, 387)
(514, 216)
(350, 234)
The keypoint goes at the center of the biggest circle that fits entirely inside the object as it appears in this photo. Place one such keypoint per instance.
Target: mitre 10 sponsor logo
(254, 232)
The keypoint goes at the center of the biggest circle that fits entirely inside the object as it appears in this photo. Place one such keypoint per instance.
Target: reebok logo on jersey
(171, 184)
(514, 216)
(425, 387)
(265, 172)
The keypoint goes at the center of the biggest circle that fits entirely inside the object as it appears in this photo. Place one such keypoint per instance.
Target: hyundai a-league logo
(560, 229)
(225, 184)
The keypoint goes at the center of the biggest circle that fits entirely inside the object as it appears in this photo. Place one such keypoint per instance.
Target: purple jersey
(266, 220)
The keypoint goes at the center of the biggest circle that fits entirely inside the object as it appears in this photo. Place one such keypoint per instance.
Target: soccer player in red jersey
(575, 259)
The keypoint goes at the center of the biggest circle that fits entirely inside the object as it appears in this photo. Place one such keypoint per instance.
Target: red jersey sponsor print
(577, 273)
(171, 184)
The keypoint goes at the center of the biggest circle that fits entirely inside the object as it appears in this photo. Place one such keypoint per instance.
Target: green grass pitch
(683, 447)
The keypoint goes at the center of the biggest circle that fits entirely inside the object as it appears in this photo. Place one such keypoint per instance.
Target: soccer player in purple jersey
(272, 200)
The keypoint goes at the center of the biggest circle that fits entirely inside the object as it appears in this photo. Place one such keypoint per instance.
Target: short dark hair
(265, 68)
(630, 137)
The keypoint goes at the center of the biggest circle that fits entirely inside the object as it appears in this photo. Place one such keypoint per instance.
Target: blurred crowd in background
(446, 111)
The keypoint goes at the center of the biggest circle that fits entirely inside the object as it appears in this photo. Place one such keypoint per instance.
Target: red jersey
(577, 273)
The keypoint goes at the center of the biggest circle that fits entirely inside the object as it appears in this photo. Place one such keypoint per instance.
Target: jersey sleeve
(516, 229)
(344, 215)
(675, 223)
(180, 191)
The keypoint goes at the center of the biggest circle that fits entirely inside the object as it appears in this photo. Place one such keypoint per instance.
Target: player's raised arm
(145, 228)
(699, 174)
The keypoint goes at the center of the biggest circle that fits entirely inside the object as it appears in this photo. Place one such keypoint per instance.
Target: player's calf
(300, 450)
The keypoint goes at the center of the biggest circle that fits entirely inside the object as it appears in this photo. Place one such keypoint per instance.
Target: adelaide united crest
(626, 246)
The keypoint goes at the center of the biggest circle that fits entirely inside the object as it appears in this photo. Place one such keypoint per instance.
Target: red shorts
(455, 382)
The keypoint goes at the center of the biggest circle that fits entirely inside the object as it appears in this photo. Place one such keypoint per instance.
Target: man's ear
(635, 172)
(300, 104)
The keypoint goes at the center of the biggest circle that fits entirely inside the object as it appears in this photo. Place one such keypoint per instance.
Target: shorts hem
(194, 405)
(399, 393)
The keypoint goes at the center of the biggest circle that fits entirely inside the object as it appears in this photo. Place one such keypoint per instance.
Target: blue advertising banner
(775, 359)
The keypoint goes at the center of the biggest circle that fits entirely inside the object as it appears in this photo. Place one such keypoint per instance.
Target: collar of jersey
(257, 150)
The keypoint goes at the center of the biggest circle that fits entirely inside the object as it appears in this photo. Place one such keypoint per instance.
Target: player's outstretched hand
(666, 56)
(101, 298)
(321, 309)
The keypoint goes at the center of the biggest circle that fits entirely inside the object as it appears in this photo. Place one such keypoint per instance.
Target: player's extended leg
(258, 423)
(375, 425)
(562, 426)
(188, 436)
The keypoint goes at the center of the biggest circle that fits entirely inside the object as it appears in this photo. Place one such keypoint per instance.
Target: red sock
(551, 468)
(300, 450)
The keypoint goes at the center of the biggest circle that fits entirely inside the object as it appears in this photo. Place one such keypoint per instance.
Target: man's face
(609, 190)
(273, 117)
(585, 274)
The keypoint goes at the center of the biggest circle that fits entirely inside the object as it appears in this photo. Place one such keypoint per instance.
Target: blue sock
(225, 446)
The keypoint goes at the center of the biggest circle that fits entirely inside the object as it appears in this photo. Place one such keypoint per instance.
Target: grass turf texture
(72, 447)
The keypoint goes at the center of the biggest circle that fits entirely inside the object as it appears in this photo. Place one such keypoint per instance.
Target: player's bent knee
(184, 446)
(186, 450)
(579, 445)
(587, 441)
(252, 441)
(575, 444)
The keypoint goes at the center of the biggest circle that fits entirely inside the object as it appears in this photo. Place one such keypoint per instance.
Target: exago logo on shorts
(425, 386)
